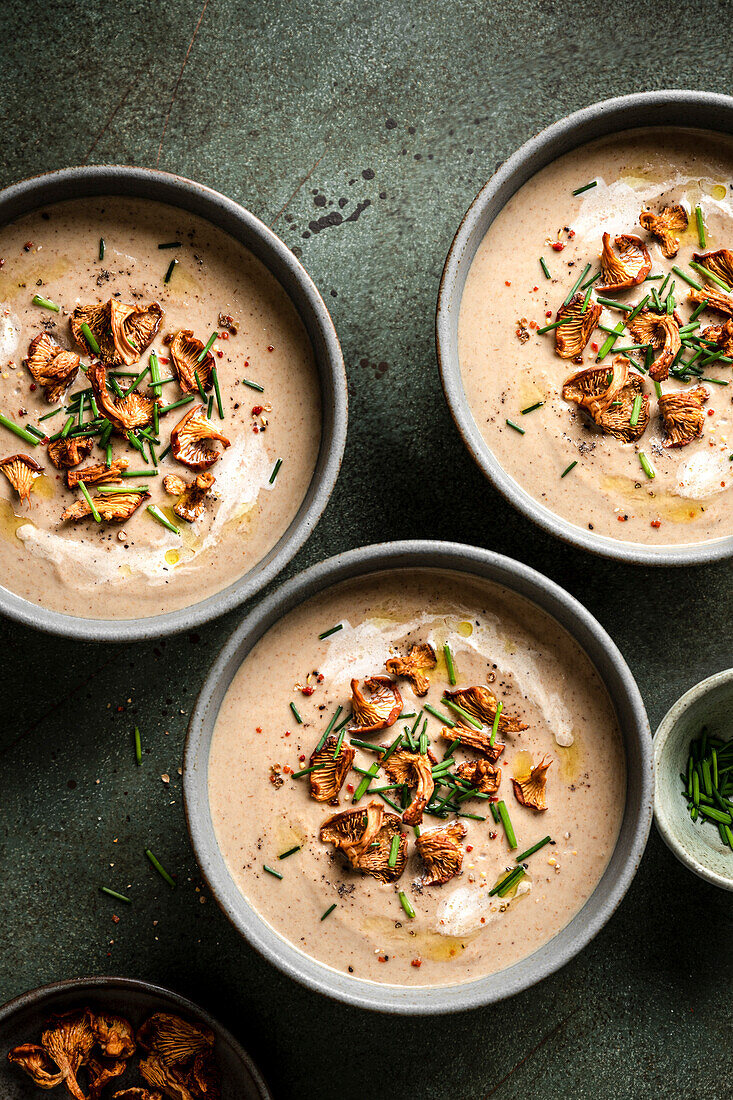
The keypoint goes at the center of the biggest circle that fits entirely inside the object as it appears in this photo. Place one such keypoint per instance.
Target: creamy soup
(215, 506)
(431, 917)
(665, 478)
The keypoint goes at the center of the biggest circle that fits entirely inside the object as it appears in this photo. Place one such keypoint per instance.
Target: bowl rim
(635, 825)
(78, 986)
(661, 737)
(106, 179)
(584, 125)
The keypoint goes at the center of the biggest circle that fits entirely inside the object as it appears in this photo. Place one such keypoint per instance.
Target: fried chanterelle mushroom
(179, 1058)
(69, 1041)
(478, 740)
(480, 702)
(185, 351)
(51, 366)
(330, 770)
(365, 838)
(661, 330)
(122, 332)
(136, 1093)
(608, 396)
(113, 1035)
(625, 267)
(720, 263)
(132, 410)
(531, 791)
(100, 1071)
(482, 775)
(673, 219)
(413, 769)
(193, 440)
(714, 300)
(380, 710)
(412, 667)
(572, 337)
(65, 453)
(441, 853)
(38, 1064)
(164, 1077)
(21, 471)
(682, 416)
(98, 474)
(113, 508)
(721, 335)
(192, 496)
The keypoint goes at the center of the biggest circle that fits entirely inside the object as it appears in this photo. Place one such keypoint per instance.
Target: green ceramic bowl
(698, 846)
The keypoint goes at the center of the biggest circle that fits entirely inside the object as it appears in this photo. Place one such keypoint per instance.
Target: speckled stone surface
(360, 133)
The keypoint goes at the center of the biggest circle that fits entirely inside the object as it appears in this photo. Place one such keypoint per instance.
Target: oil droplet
(172, 557)
(465, 629)
(44, 487)
(9, 522)
(569, 760)
(522, 764)
(671, 507)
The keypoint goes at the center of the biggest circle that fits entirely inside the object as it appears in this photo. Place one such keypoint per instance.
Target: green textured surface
(291, 107)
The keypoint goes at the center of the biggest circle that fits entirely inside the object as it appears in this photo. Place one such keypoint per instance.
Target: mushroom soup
(161, 408)
(596, 336)
(462, 777)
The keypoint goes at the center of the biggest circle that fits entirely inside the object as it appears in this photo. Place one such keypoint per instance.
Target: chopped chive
(610, 304)
(329, 632)
(34, 431)
(495, 723)
(162, 455)
(635, 410)
(585, 187)
(449, 664)
(275, 470)
(207, 347)
(217, 391)
(405, 903)
(151, 448)
(329, 727)
(138, 747)
(158, 515)
(170, 244)
(47, 416)
(610, 340)
(160, 868)
(511, 881)
(45, 303)
(577, 283)
(306, 771)
(451, 749)
(645, 465)
(90, 338)
(555, 324)
(90, 502)
(253, 385)
(466, 715)
(714, 381)
(637, 309)
(270, 871)
(393, 850)
(364, 785)
(112, 489)
(441, 717)
(392, 748)
(329, 911)
(101, 248)
(511, 424)
(138, 473)
(590, 282)
(113, 894)
(292, 851)
(339, 743)
(569, 468)
(545, 268)
(687, 278)
(176, 404)
(200, 386)
(494, 812)
(531, 408)
(700, 225)
(535, 848)
(294, 709)
(21, 432)
(171, 267)
(697, 311)
(506, 822)
(709, 275)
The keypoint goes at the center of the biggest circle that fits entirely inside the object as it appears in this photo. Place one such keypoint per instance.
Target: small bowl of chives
(693, 764)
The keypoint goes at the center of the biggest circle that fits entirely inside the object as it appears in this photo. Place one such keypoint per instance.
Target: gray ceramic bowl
(698, 846)
(145, 183)
(22, 1019)
(632, 720)
(670, 108)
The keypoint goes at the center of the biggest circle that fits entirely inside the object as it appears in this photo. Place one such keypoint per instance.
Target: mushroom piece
(719, 263)
(714, 300)
(477, 740)
(193, 440)
(174, 1039)
(65, 453)
(608, 395)
(661, 330)
(441, 853)
(166, 1078)
(673, 219)
(419, 657)
(136, 1093)
(98, 474)
(123, 332)
(100, 1072)
(185, 352)
(113, 508)
(380, 710)
(192, 497)
(413, 769)
(682, 416)
(628, 266)
(531, 791)
(481, 774)
(113, 1034)
(37, 1063)
(365, 838)
(69, 1041)
(51, 366)
(132, 410)
(722, 335)
(572, 337)
(21, 471)
(330, 770)
(479, 702)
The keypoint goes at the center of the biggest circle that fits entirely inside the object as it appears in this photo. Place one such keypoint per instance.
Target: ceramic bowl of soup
(585, 328)
(418, 777)
(173, 403)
